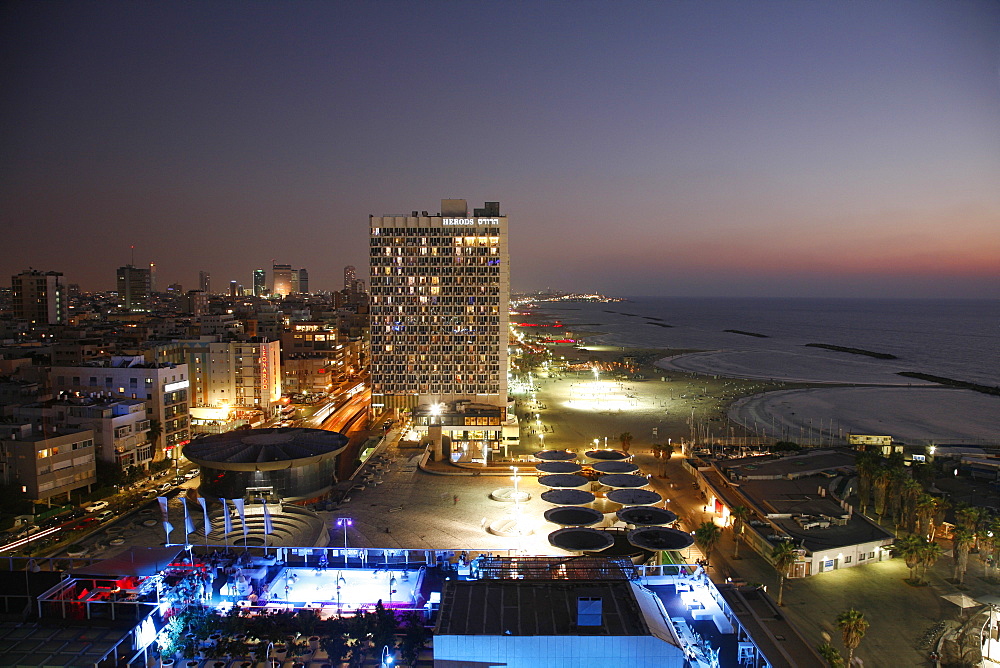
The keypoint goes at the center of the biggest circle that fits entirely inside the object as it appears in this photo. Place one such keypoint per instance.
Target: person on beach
(454, 500)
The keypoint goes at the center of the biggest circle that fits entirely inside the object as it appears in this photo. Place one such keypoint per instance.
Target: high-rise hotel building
(439, 295)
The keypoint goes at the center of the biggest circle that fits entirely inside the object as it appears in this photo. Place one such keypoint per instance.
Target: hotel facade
(440, 293)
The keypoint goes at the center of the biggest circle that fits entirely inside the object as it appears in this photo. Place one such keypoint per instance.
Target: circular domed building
(297, 464)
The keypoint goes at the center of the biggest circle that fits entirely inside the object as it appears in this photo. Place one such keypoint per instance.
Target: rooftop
(537, 607)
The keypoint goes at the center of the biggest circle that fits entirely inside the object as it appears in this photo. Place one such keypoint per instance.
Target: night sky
(652, 148)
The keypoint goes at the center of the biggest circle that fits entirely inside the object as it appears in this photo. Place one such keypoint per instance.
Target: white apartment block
(163, 388)
(439, 291)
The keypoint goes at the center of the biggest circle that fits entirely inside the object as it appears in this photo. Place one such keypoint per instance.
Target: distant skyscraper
(303, 282)
(152, 277)
(350, 275)
(233, 289)
(282, 279)
(259, 282)
(133, 288)
(39, 297)
(439, 296)
(205, 282)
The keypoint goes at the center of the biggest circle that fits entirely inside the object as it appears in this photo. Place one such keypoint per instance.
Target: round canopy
(568, 497)
(615, 467)
(658, 538)
(573, 516)
(555, 456)
(623, 481)
(634, 497)
(558, 467)
(580, 539)
(563, 481)
(607, 455)
(646, 516)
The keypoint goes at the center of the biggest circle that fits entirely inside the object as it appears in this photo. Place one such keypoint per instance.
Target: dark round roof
(615, 467)
(558, 467)
(563, 480)
(580, 539)
(634, 497)
(555, 455)
(568, 497)
(607, 455)
(649, 516)
(573, 516)
(264, 449)
(659, 538)
(623, 480)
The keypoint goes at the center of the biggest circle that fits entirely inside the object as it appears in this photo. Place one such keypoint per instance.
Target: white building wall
(557, 651)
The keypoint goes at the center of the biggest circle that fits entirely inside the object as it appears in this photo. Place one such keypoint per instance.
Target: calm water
(953, 338)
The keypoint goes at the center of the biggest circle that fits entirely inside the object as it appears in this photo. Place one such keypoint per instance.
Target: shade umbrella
(963, 601)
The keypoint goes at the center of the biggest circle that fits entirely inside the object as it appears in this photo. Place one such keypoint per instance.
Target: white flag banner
(227, 520)
(243, 517)
(204, 510)
(188, 524)
(167, 528)
(267, 518)
(163, 507)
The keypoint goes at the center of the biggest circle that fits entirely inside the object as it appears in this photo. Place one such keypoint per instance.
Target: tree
(989, 547)
(153, 435)
(783, 556)
(925, 508)
(930, 552)
(910, 548)
(961, 539)
(626, 440)
(853, 627)
(867, 463)
(706, 537)
(882, 481)
(910, 490)
(414, 637)
(740, 516)
(831, 655)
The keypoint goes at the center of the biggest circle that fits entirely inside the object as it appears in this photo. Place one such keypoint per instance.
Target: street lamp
(387, 658)
(345, 522)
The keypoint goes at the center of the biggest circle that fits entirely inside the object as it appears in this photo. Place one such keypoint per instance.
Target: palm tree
(831, 655)
(740, 515)
(989, 547)
(883, 480)
(706, 537)
(853, 626)
(961, 539)
(930, 552)
(926, 509)
(941, 507)
(867, 463)
(783, 556)
(626, 438)
(971, 517)
(153, 435)
(909, 548)
(910, 491)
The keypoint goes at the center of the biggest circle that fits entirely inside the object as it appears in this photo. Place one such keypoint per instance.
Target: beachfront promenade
(418, 508)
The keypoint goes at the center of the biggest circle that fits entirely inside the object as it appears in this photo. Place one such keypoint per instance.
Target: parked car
(104, 516)
(94, 507)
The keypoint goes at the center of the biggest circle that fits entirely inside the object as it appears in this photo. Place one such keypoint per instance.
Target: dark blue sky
(678, 148)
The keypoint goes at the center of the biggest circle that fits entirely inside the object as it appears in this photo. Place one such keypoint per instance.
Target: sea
(953, 338)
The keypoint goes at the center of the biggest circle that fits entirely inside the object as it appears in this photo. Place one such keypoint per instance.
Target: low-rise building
(47, 464)
(795, 498)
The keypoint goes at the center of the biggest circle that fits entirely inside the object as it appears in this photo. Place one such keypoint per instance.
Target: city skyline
(775, 149)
